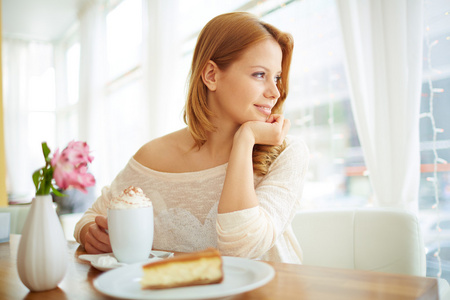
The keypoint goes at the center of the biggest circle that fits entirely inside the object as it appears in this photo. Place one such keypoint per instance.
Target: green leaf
(48, 171)
(58, 193)
(45, 150)
(36, 176)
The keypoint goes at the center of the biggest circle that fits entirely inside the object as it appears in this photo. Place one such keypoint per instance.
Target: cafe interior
(369, 94)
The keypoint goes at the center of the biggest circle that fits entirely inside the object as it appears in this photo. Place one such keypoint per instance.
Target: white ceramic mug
(131, 233)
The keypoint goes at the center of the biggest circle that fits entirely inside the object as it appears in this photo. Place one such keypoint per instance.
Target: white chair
(374, 239)
(19, 214)
(68, 222)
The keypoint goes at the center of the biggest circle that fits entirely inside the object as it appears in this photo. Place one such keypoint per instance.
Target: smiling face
(247, 89)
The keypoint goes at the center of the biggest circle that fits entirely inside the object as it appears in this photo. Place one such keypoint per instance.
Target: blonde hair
(223, 40)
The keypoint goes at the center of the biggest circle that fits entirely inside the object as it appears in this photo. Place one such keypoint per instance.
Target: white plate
(240, 275)
(94, 259)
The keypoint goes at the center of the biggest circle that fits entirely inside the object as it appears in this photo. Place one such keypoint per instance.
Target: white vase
(42, 254)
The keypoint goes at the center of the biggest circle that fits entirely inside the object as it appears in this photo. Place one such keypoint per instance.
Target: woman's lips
(266, 110)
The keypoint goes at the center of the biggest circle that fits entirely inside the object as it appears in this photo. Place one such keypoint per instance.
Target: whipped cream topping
(131, 197)
(105, 261)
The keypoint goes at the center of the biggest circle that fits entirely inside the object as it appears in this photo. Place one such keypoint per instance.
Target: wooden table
(291, 282)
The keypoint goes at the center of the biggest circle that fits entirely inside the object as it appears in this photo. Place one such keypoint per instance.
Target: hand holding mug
(97, 238)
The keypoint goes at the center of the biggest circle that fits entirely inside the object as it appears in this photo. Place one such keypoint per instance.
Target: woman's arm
(252, 232)
(238, 191)
(98, 208)
(91, 230)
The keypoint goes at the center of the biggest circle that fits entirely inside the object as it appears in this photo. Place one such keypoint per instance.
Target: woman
(231, 179)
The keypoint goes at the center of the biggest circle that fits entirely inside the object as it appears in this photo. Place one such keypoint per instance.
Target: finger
(281, 128)
(102, 222)
(90, 244)
(279, 119)
(286, 126)
(91, 249)
(100, 236)
(270, 119)
(96, 245)
(273, 118)
(102, 247)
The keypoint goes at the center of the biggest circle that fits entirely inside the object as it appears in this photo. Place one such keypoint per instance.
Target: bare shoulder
(164, 153)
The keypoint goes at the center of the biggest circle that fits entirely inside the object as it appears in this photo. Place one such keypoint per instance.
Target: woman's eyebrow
(265, 68)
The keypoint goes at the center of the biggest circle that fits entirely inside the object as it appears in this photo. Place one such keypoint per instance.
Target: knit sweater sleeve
(252, 232)
(99, 207)
(124, 179)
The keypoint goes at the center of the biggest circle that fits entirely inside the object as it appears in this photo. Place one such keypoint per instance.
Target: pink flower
(70, 167)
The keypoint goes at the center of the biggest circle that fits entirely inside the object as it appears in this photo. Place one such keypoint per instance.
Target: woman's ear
(209, 75)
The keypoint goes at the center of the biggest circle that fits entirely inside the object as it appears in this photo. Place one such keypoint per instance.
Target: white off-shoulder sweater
(185, 208)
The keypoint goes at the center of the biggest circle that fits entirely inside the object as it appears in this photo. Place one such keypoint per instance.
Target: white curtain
(15, 57)
(383, 49)
(164, 80)
(22, 61)
(110, 134)
(92, 85)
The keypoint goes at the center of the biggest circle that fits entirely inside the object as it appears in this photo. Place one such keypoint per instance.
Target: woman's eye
(259, 74)
(262, 75)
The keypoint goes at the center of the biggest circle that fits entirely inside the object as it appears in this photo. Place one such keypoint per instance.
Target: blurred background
(113, 73)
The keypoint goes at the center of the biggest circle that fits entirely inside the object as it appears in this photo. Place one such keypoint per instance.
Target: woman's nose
(272, 91)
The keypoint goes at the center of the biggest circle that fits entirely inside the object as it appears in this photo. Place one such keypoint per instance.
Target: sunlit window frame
(134, 72)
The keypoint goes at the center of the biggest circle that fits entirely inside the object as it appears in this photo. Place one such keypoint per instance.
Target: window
(124, 37)
(73, 72)
(42, 107)
(434, 202)
(125, 104)
(41, 104)
(67, 111)
(319, 104)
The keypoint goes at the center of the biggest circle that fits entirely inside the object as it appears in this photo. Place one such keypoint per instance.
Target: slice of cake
(197, 268)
